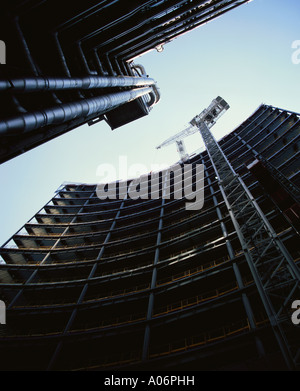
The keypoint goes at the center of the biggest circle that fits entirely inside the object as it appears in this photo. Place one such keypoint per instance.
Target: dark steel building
(71, 65)
(147, 285)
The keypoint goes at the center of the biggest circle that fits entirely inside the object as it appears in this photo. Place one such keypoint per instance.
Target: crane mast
(273, 269)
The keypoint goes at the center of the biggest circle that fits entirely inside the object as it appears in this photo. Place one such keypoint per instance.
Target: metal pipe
(70, 111)
(152, 100)
(124, 68)
(90, 21)
(110, 68)
(148, 19)
(141, 68)
(132, 48)
(51, 84)
(156, 94)
(120, 72)
(84, 14)
(61, 55)
(98, 63)
(25, 47)
(84, 60)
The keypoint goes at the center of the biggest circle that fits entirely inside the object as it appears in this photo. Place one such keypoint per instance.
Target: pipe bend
(141, 68)
(155, 96)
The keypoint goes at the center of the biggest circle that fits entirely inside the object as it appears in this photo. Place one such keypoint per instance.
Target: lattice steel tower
(275, 273)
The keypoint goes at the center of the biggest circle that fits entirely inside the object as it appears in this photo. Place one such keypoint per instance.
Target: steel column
(146, 344)
(85, 288)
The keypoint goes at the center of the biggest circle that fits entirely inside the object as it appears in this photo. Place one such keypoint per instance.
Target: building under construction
(148, 285)
(66, 66)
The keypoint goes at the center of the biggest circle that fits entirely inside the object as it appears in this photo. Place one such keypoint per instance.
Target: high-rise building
(66, 66)
(146, 284)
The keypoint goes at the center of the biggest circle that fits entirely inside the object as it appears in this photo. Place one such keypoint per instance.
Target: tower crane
(270, 263)
(208, 116)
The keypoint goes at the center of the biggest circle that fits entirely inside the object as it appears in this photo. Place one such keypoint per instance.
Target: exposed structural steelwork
(145, 284)
(59, 58)
(274, 271)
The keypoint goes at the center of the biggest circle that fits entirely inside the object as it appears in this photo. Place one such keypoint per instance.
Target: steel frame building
(145, 284)
(71, 65)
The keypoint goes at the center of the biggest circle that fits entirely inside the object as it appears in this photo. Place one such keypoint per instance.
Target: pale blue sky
(245, 56)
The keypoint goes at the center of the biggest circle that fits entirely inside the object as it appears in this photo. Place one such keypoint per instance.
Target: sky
(245, 56)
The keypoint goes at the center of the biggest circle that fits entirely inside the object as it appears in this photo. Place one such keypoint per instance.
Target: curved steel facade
(146, 284)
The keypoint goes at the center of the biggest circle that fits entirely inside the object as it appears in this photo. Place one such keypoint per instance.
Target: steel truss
(275, 273)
